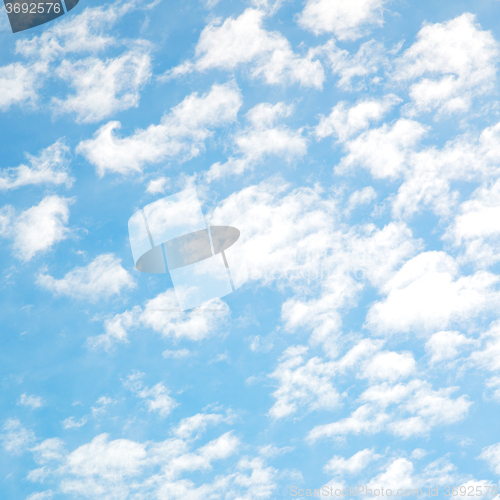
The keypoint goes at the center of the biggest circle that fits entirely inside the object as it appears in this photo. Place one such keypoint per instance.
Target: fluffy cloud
(346, 20)
(123, 467)
(428, 294)
(102, 278)
(445, 345)
(162, 315)
(181, 133)
(32, 402)
(16, 439)
(19, 83)
(244, 41)
(38, 228)
(156, 398)
(353, 465)
(104, 87)
(476, 226)
(297, 239)
(345, 121)
(404, 410)
(305, 384)
(491, 454)
(454, 62)
(49, 167)
(260, 139)
(385, 151)
(354, 69)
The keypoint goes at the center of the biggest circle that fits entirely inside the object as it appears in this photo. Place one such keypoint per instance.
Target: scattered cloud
(243, 40)
(32, 402)
(49, 167)
(346, 20)
(181, 133)
(37, 229)
(100, 279)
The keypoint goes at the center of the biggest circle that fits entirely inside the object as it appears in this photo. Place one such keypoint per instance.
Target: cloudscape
(341, 165)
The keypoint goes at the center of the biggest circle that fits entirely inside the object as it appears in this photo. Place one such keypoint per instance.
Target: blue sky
(356, 146)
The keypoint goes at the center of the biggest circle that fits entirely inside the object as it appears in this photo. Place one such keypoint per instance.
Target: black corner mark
(26, 14)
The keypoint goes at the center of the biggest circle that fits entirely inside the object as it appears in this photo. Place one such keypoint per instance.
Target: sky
(356, 147)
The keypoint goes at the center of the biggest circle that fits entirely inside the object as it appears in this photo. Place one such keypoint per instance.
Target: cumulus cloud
(19, 83)
(428, 293)
(450, 63)
(156, 398)
(445, 345)
(104, 87)
(37, 229)
(124, 467)
(243, 40)
(345, 121)
(384, 151)
(355, 70)
(404, 410)
(262, 138)
(32, 402)
(100, 279)
(346, 20)
(180, 134)
(49, 167)
(16, 439)
(163, 315)
(353, 465)
(56, 53)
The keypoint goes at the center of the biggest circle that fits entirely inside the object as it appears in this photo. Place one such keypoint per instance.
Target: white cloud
(156, 398)
(104, 87)
(302, 383)
(193, 427)
(404, 410)
(296, 239)
(428, 294)
(445, 345)
(19, 83)
(353, 465)
(345, 121)
(71, 36)
(100, 279)
(346, 20)
(454, 62)
(38, 228)
(180, 134)
(385, 151)
(32, 402)
(49, 167)
(71, 423)
(244, 41)
(15, 438)
(260, 139)
(49, 450)
(361, 197)
(120, 468)
(159, 185)
(491, 454)
(476, 226)
(388, 365)
(354, 69)
(162, 315)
